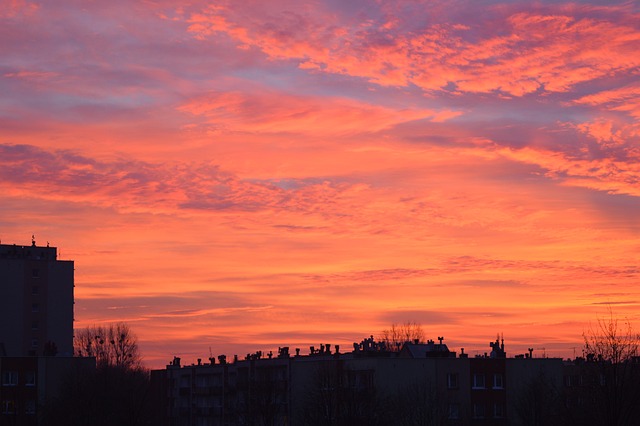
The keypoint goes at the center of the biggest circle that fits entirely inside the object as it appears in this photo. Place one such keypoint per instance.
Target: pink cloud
(622, 99)
(603, 131)
(549, 50)
(266, 112)
(610, 175)
(17, 8)
(30, 75)
(140, 186)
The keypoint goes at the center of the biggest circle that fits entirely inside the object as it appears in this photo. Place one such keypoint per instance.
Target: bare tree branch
(113, 345)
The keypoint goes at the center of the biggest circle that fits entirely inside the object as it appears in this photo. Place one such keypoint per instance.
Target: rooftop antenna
(33, 240)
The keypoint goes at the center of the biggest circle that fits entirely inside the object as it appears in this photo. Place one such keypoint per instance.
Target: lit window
(9, 378)
(478, 381)
(497, 381)
(452, 380)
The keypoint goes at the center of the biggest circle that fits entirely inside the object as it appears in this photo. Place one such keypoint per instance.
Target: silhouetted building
(28, 383)
(36, 302)
(424, 383)
(36, 330)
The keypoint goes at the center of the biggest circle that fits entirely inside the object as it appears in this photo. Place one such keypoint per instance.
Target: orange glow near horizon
(237, 177)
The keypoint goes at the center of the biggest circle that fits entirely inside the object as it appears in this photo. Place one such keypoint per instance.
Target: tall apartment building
(36, 302)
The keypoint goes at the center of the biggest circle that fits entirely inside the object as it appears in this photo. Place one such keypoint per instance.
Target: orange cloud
(278, 113)
(610, 175)
(541, 51)
(603, 131)
(616, 97)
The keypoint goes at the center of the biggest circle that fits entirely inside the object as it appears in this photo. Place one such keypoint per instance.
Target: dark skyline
(247, 175)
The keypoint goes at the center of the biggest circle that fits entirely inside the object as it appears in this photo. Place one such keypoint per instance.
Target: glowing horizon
(238, 176)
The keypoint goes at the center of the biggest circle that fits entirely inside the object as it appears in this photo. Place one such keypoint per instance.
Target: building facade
(36, 302)
(36, 330)
(422, 384)
(28, 383)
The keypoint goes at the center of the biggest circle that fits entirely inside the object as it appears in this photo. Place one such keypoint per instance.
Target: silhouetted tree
(399, 334)
(112, 345)
(612, 372)
(116, 392)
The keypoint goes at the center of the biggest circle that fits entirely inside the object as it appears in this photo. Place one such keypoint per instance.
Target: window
(573, 380)
(35, 307)
(35, 325)
(361, 379)
(30, 407)
(35, 290)
(30, 378)
(8, 406)
(10, 378)
(203, 381)
(478, 381)
(34, 343)
(452, 380)
(498, 411)
(478, 411)
(185, 381)
(454, 411)
(497, 381)
(35, 273)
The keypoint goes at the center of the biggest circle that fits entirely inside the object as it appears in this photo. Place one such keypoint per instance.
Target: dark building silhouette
(36, 330)
(424, 383)
(36, 302)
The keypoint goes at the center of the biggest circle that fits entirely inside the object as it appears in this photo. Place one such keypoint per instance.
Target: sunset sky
(233, 176)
